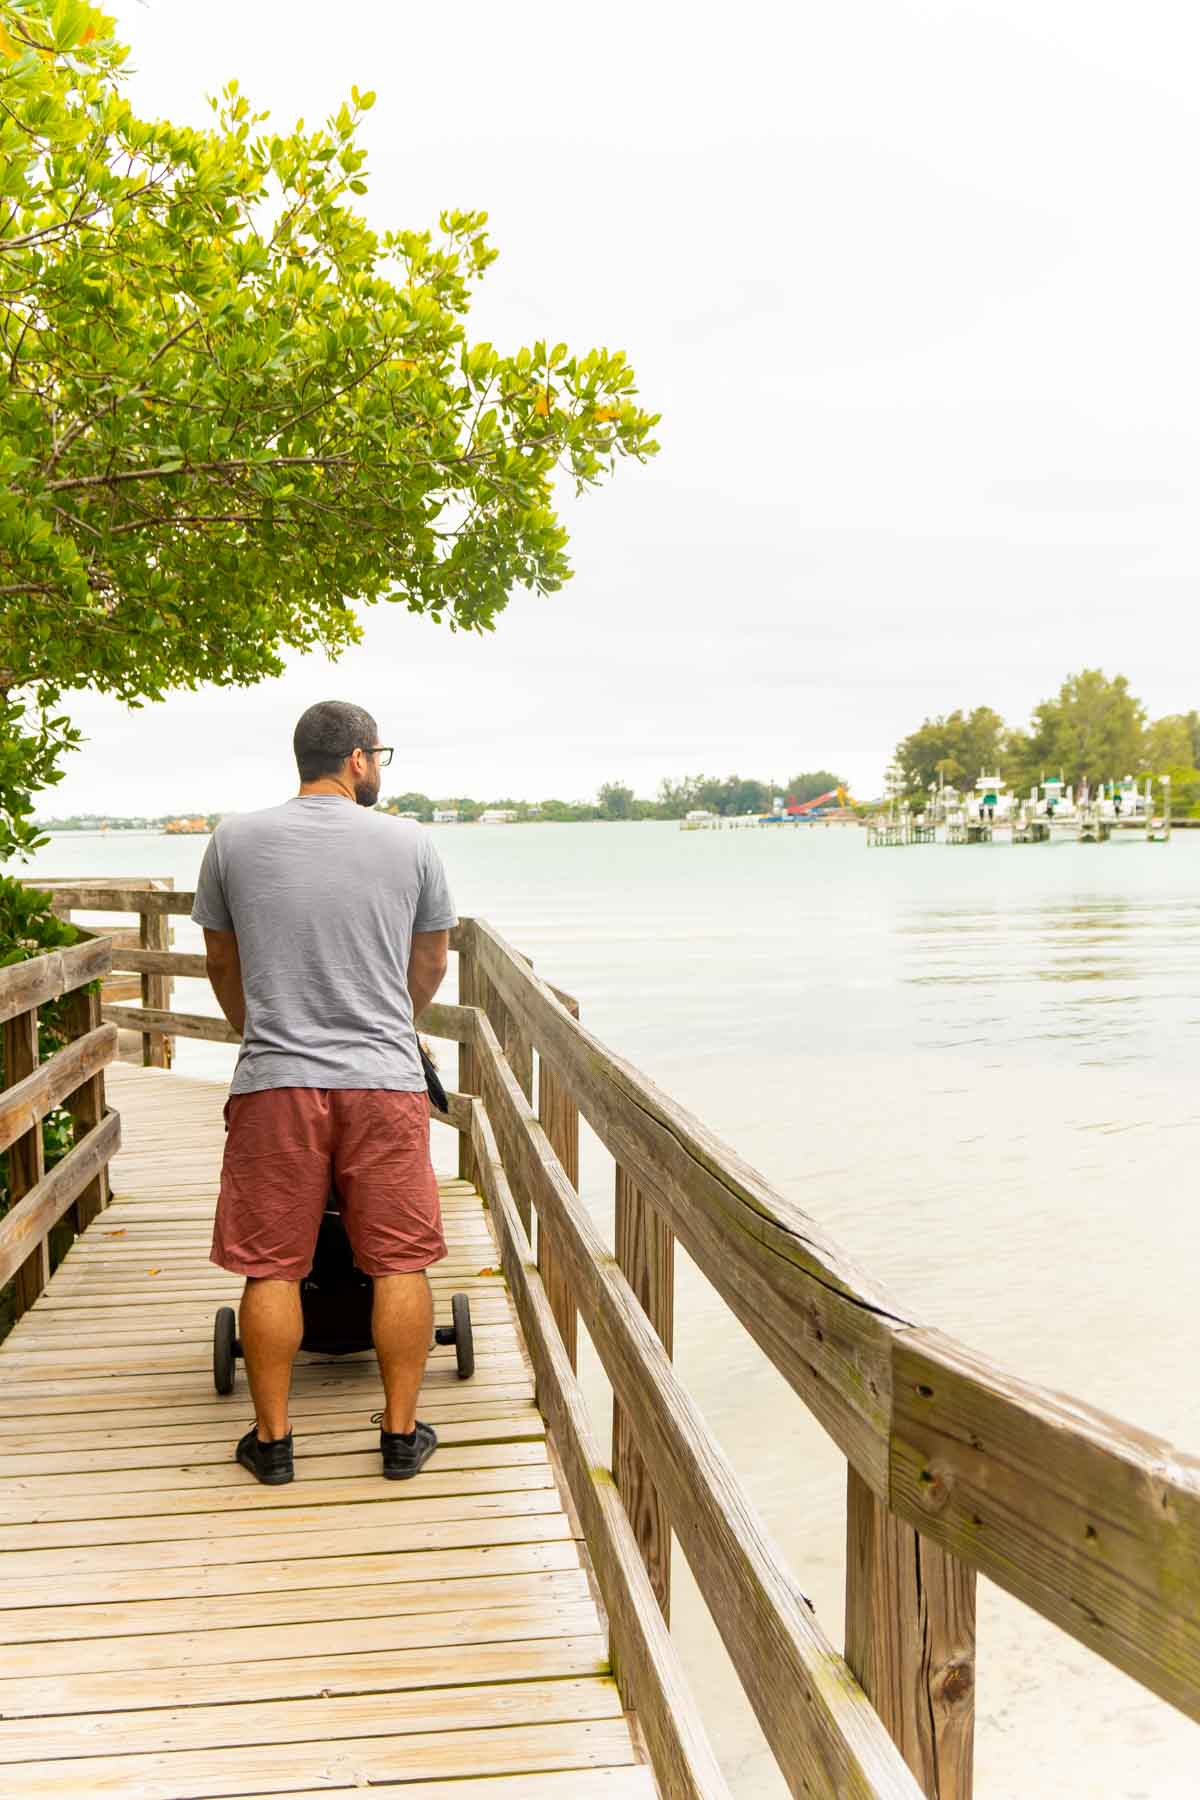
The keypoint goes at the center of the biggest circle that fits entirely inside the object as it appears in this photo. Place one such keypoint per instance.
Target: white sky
(914, 284)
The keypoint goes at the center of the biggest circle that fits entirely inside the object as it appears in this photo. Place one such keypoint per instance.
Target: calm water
(978, 1069)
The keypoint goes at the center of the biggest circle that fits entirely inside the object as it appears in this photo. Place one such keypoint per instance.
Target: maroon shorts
(285, 1149)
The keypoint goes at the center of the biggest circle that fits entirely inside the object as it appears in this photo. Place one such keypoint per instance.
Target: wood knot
(955, 1682)
(933, 1487)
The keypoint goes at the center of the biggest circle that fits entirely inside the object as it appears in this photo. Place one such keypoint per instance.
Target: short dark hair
(327, 734)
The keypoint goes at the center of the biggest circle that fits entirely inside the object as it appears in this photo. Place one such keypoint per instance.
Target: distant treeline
(1092, 730)
(735, 794)
(111, 822)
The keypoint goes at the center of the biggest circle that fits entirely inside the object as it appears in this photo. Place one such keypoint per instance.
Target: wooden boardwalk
(171, 1629)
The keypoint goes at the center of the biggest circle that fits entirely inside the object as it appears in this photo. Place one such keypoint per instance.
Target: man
(326, 931)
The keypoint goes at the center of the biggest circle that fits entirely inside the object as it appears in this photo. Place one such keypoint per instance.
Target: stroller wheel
(464, 1340)
(225, 1349)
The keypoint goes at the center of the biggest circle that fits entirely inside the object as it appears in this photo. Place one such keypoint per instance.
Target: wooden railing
(76, 1188)
(953, 1465)
(142, 952)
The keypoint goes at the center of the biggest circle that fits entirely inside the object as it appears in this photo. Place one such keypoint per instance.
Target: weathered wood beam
(910, 1640)
(683, 1759)
(151, 1020)
(822, 1322)
(645, 1252)
(93, 896)
(42, 978)
(155, 933)
(24, 1105)
(26, 1165)
(1092, 1523)
(87, 1106)
(825, 1735)
(28, 1222)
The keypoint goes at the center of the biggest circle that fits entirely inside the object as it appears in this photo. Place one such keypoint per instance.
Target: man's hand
(426, 966)
(225, 973)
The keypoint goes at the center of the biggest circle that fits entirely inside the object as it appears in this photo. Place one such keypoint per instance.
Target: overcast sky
(914, 286)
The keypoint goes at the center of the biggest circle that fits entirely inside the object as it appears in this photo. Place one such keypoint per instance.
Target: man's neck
(328, 784)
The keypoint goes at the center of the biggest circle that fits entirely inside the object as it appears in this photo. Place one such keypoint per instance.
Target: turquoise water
(977, 1067)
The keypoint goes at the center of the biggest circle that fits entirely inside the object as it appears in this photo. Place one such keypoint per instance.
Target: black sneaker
(403, 1458)
(269, 1463)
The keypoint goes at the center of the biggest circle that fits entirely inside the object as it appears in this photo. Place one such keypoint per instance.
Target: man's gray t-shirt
(324, 897)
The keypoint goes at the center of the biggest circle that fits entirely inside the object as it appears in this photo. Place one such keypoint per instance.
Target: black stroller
(335, 1297)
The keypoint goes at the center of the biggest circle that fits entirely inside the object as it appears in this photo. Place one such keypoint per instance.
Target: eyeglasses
(384, 752)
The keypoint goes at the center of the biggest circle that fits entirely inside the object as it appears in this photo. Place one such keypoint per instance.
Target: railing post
(469, 977)
(155, 934)
(559, 1118)
(25, 1160)
(86, 1105)
(645, 1251)
(910, 1640)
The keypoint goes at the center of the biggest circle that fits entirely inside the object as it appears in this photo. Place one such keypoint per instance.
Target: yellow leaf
(120, 1233)
(542, 408)
(489, 1271)
(405, 362)
(154, 1271)
(605, 413)
(88, 35)
(6, 43)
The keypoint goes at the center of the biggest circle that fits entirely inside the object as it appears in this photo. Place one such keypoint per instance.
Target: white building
(445, 815)
(498, 815)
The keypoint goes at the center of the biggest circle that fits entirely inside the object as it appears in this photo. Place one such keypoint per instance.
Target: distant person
(326, 928)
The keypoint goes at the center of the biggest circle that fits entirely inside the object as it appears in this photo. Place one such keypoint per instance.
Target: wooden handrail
(823, 1323)
(824, 1733)
(1089, 1521)
(642, 1646)
(72, 1078)
(954, 1464)
(26, 1103)
(40, 979)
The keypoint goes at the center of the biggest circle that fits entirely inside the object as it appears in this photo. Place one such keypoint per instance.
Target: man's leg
(271, 1329)
(402, 1327)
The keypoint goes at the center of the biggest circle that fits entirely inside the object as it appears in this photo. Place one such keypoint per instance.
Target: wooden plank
(468, 1077)
(87, 1109)
(679, 1746)
(440, 1020)
(164, 1406)
(320, 1673)
(559, 1118)
(554, 1575)
(511, 1547)
(823, 1324)
(562, 1613)
(58, 1524)
(476, 1708)
(815, 1716)
(31, 1218)
(28, 1262)
(629, 1783)
(155, 933)
(156, 1023)
(95, 896)
(32, 983)
(357, 1762)
(910, 1640)
(645, 1252)
(144, 961)
(1092, 1523)
(25, 1104)
(221, 1471)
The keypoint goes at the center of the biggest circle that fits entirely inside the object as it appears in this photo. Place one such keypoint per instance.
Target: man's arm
(225, 973)
(426, 966)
